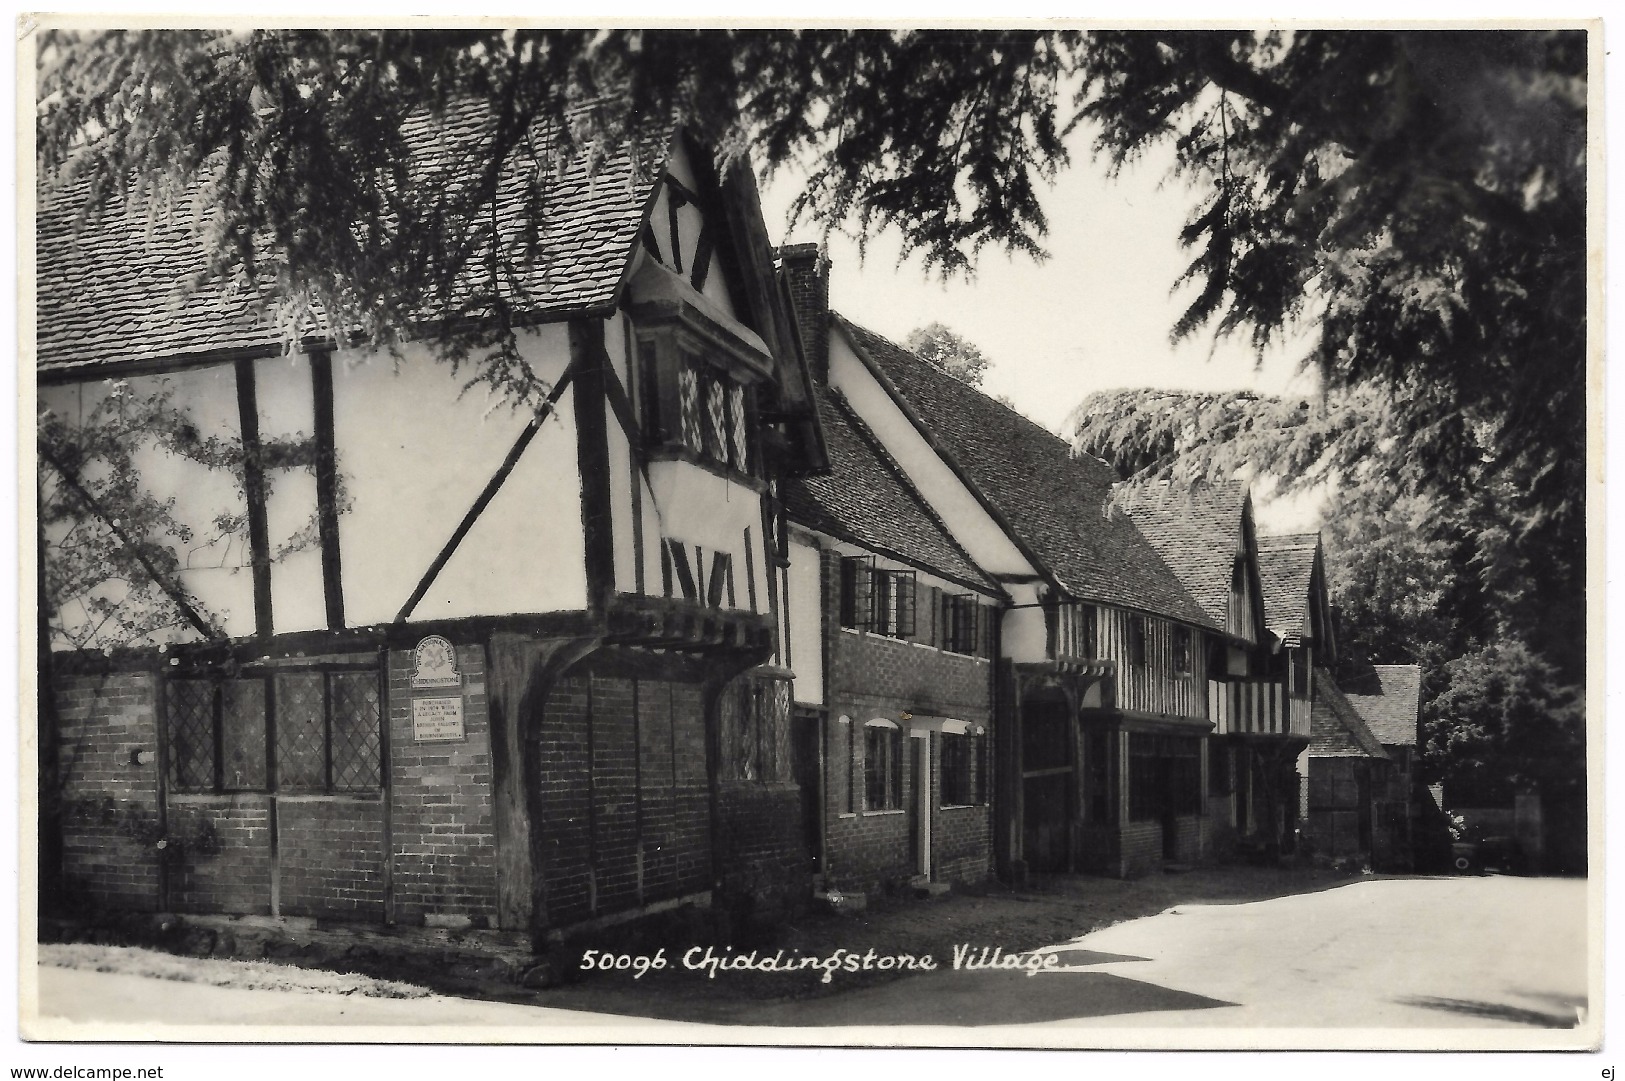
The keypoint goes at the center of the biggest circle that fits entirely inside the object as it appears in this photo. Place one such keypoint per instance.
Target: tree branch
(170, 589)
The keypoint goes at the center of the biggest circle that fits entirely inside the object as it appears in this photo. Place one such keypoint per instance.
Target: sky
(1094, 316)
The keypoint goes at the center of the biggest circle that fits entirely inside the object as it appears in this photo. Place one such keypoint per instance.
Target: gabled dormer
(1206, 535)
(1296, 601)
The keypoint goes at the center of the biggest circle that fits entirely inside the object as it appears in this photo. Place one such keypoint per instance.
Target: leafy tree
(1414, 200)
(1506, 721)
(948, 351)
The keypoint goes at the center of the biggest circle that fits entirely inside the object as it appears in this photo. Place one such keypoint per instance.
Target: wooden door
(807, 767)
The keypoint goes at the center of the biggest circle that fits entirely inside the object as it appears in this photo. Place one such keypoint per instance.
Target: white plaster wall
(415, 452)
(525, 554)
(620, 502)
(689, 224)
(216, 575)
(618, 344)
(977, 532)
(806, 623)
(697, 506)
(285, 401)
(1024, 634)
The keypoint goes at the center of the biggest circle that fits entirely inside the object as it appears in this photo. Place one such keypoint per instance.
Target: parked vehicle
(1500, 854)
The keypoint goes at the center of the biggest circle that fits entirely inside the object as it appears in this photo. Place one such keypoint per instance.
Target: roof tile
(1197, 533)
(1335, 729)
(1058, 505)
(115, 290)
(1286, 564)
(866, 499)
(1388, 697)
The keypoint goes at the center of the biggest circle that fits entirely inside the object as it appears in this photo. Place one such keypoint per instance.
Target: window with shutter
(961, 618)
(857, 575)
(877, 600)
(958, 765)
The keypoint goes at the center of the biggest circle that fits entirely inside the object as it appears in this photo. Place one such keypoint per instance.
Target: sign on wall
(434, 664)
(437, 719)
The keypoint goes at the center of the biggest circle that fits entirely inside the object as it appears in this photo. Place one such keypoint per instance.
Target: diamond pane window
(688, 386)
(301, 732)
(242, 734)
(190, 706)
(354, 698)
(717, 428)
(328, 732)
(736, 405)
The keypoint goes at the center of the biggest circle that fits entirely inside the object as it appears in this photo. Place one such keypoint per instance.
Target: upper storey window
(697, 390)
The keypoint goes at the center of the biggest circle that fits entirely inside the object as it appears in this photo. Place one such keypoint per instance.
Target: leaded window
(692, 404)
(323, 728)
(1165, 776)
(958, 769)
(960, 623)
(882, 768)
(875, 599)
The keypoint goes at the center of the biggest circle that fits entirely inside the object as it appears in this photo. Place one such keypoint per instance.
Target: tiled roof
(1388, 697)
(1198, 534)
(1335, 729)
(1286, 565)
(1058, 506)
(866, 499)
(116, 291)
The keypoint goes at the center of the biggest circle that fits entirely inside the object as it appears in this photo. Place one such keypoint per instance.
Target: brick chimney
(806, 271)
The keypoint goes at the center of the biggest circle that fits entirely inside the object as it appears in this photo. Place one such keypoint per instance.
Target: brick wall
(331, 852)
(1140, 844)
(236, 879)
(107, 799)
(872, 676)
(440, 804)
(766, 869)
(625, 806)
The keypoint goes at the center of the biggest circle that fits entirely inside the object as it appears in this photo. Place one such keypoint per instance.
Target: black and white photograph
(1050, 535)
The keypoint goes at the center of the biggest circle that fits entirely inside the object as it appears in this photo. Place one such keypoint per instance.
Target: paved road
(1503, 957)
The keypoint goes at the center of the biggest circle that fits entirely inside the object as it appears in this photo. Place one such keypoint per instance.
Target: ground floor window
(1165, 776)
(308, 731)
(958, 770)
(754, 722)
(882, 768)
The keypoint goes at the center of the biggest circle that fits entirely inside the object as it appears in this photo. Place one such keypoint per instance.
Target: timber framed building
(460, 665)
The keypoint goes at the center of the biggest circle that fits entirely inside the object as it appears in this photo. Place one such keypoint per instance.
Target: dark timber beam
(590, 363)
(327, 515)
(259, 542)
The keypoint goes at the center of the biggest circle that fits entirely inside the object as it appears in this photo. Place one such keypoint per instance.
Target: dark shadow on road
(1494, 1011)
(966, 999)
(1078, 957)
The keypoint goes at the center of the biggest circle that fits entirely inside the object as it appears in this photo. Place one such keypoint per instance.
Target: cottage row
(756, 604)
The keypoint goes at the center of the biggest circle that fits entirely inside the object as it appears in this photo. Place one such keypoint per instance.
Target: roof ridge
(865, 433)
(1344, 713)
(942, 373)
(1033, 484)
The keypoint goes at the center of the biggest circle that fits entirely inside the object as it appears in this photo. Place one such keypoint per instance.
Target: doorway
(807, 770)
(1048, 784)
